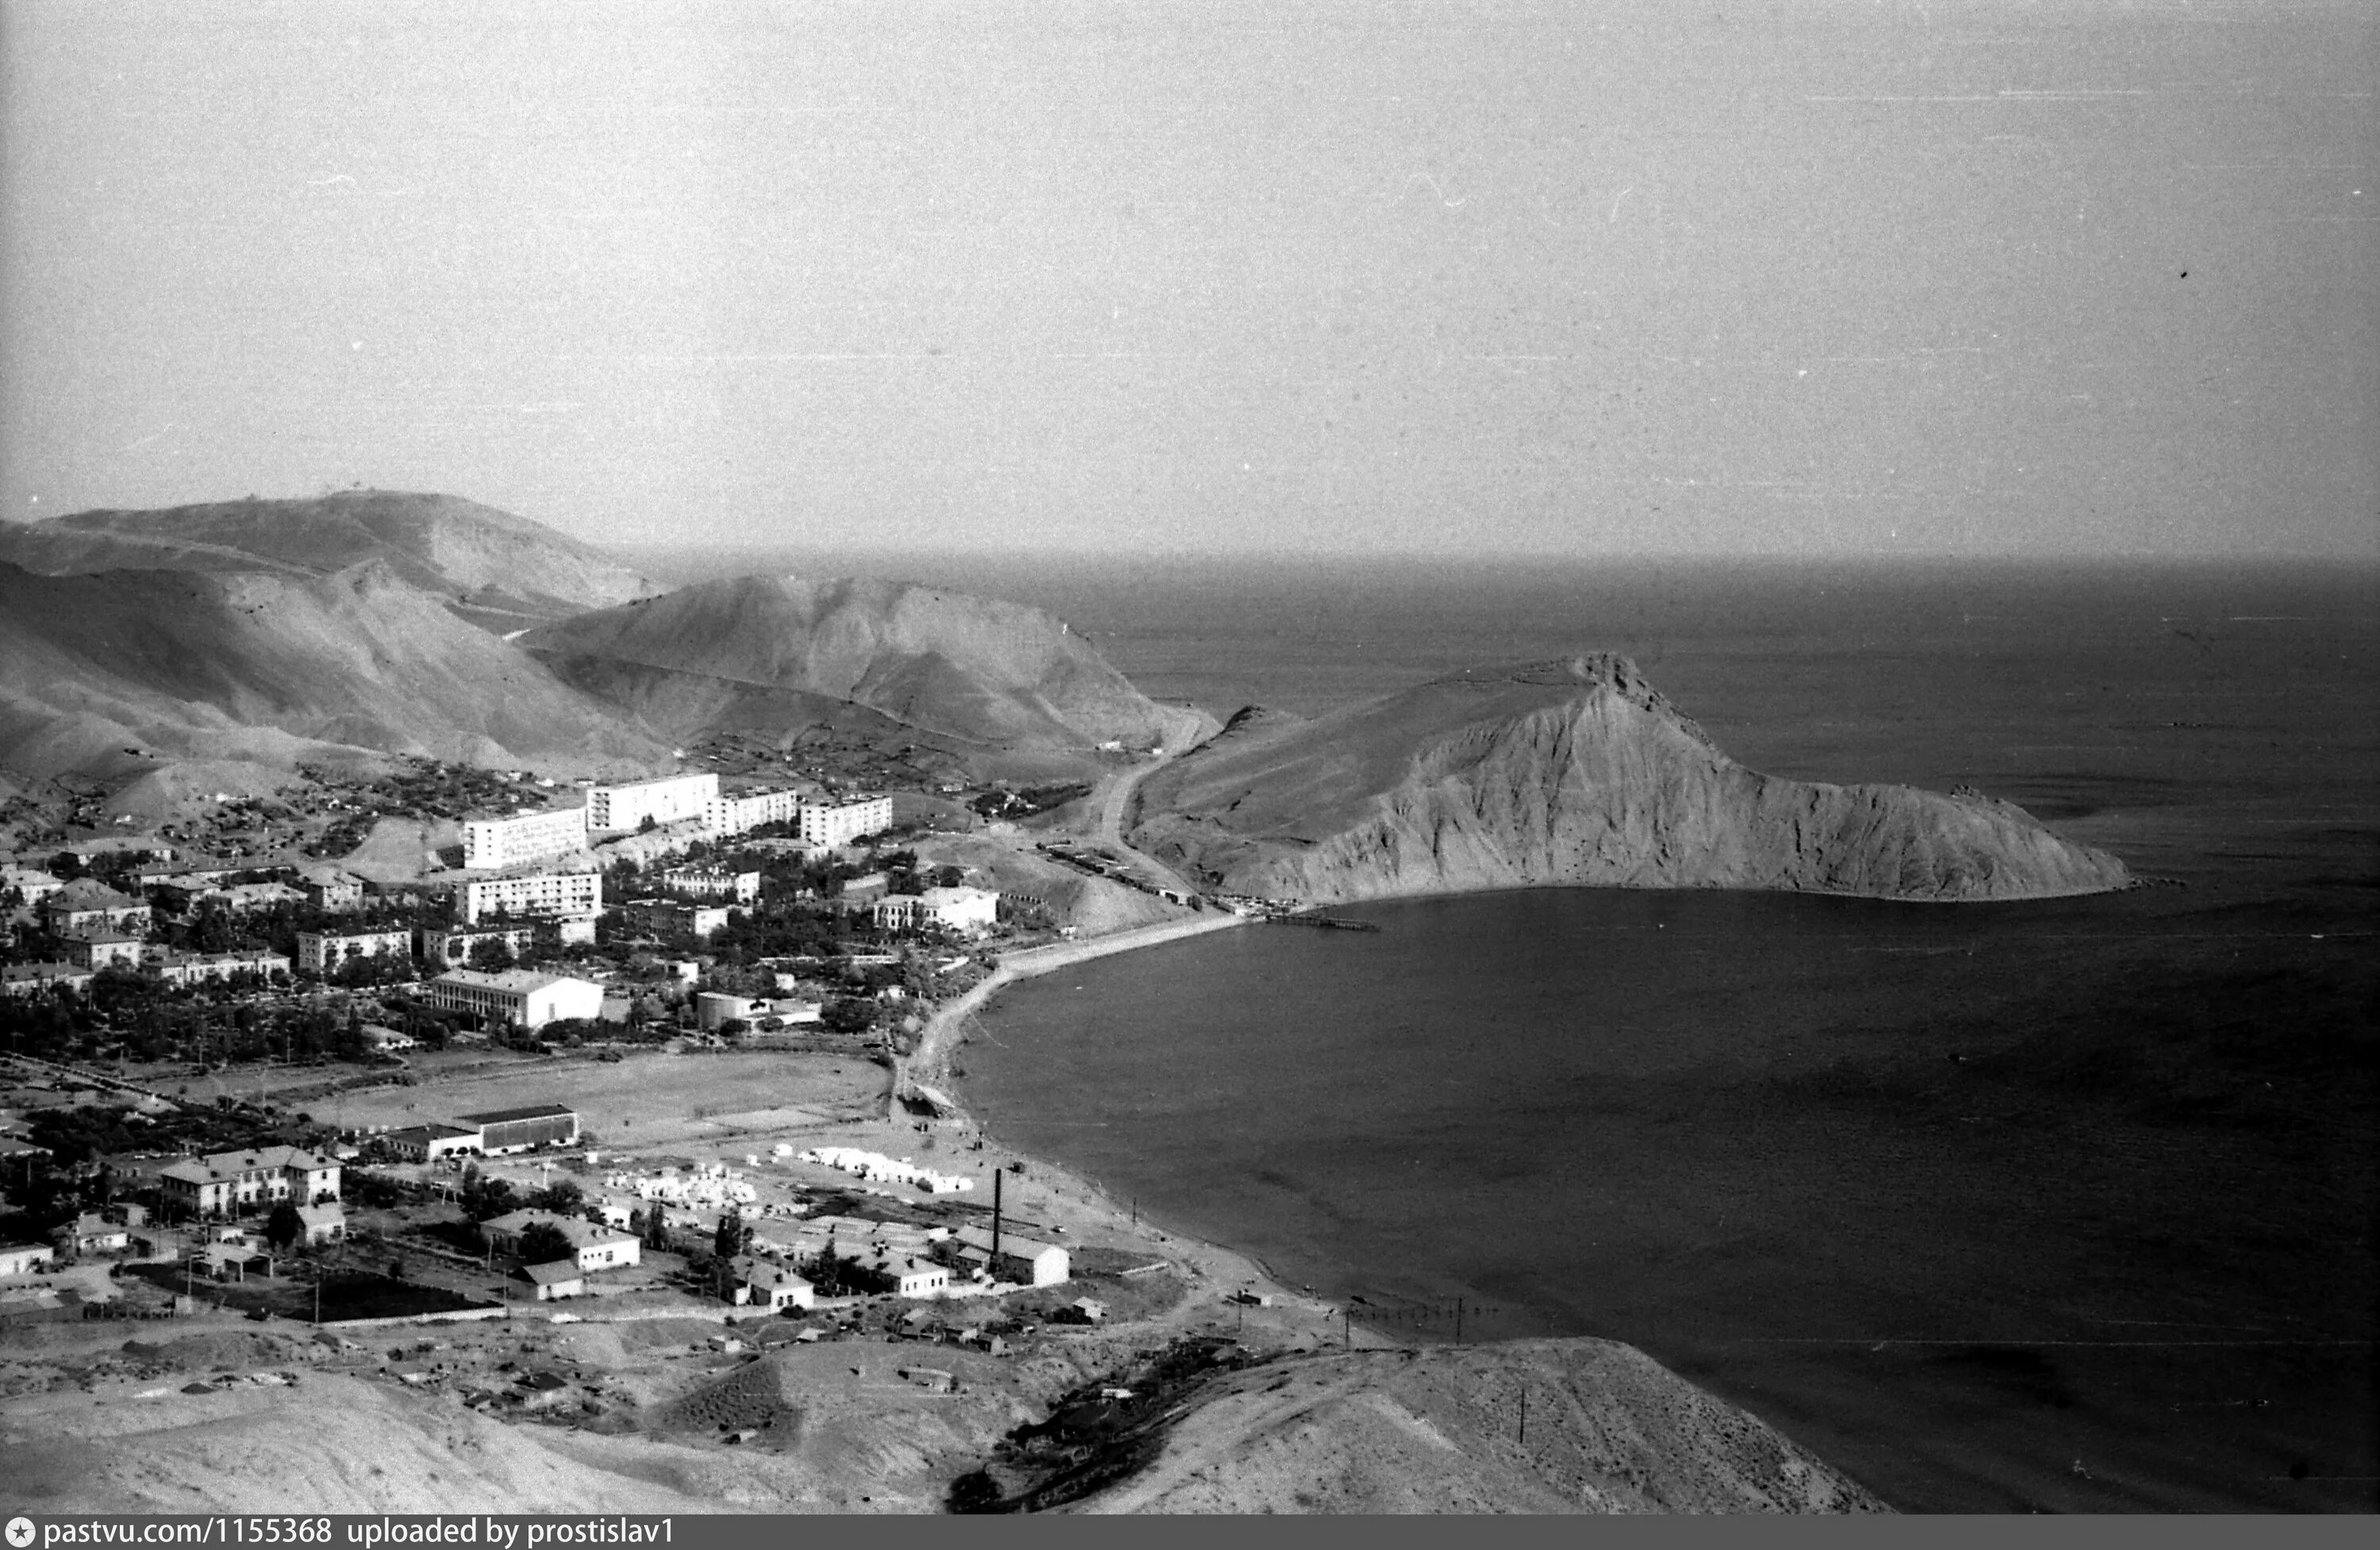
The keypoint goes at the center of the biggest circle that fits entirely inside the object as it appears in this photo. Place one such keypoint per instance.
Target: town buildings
(324, 952)
(224, 1184)
(431, 1142)
(520, 997)
(715, 1009)
(839, 823)
(540, 894)
(969, 910)
(333, 891)
(552, 1283)
(492, 842)
(762, 1284)
(25, 1259)
(616, 809)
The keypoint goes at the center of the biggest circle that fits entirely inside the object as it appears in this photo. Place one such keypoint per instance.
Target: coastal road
(1113, 798)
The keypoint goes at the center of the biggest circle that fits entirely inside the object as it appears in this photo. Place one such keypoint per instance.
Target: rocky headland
(1573, 772)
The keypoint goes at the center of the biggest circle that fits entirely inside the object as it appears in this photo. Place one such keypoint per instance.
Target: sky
(1580, 279)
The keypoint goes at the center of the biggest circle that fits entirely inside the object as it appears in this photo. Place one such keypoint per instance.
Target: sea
(2056, 1206)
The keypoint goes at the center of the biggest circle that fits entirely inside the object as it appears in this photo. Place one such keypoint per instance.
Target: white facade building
(737, 815)
(617, 809)
(322, 951)
(838, 823)
(491, 842)
(520, 997)
(713, 882)
(971, 911)
(544, 894)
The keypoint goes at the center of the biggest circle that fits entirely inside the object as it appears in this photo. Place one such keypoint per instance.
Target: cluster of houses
(703, 1186)
(877, 1169)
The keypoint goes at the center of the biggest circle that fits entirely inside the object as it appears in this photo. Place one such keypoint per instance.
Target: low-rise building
(224, 1184)
(324, 952)
(249, 898)
(333, 891)
(25, 1259)
(761, 1283)
(87, 904)
(430, 1143)
(1026, 1261)
(520, 997)
(97, 947)
(507, 1131)
(35, 979)
(667, 917)
(30, 884)
(594, 1247)
(552, 1283)
(191, 968)
(969, 910)
(840, 822)
(713, 882)
(326, 1223)
(91, 1233)
(540, 894)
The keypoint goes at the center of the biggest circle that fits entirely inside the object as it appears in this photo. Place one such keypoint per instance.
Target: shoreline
(1221, 1267)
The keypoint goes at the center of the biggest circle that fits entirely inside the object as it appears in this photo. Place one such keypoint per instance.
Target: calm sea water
(2062, 1205)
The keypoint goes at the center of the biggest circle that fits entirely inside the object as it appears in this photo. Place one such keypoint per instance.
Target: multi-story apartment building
(191, 968)
(542, 893)
(491, 842)
(738, 815)
(616, 809)
(839, 823)
(88, 903)
(451, 946)
(225, 1183)
(320, 953)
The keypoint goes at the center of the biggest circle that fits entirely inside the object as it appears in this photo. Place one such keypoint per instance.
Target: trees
(283, 1227)
(563, 1197)
(542, 1243)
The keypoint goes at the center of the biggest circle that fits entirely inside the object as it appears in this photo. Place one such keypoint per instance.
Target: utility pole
(992, 1263)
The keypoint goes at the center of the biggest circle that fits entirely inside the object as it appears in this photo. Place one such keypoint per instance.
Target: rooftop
(534, 1112)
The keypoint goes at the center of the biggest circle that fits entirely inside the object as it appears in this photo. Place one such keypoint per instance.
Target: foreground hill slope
(502, 571)
(1566, 772)
(264, 667)
(972, 668)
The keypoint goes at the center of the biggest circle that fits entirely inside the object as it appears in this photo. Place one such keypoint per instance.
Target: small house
(552, 1282)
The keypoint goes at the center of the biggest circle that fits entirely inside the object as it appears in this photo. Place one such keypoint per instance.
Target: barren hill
(503, 572)
(1566, 772)
(261, 668)
(972, 668)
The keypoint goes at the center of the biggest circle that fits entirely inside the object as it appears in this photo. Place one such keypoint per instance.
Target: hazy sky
(1580, 278)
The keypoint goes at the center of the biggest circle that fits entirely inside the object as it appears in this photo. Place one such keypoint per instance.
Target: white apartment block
(322, 952)
(713, 882)
(521, 997)
(839, 823)
(738, 815)
(491, 842)
(671, 799)
(545, 893)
